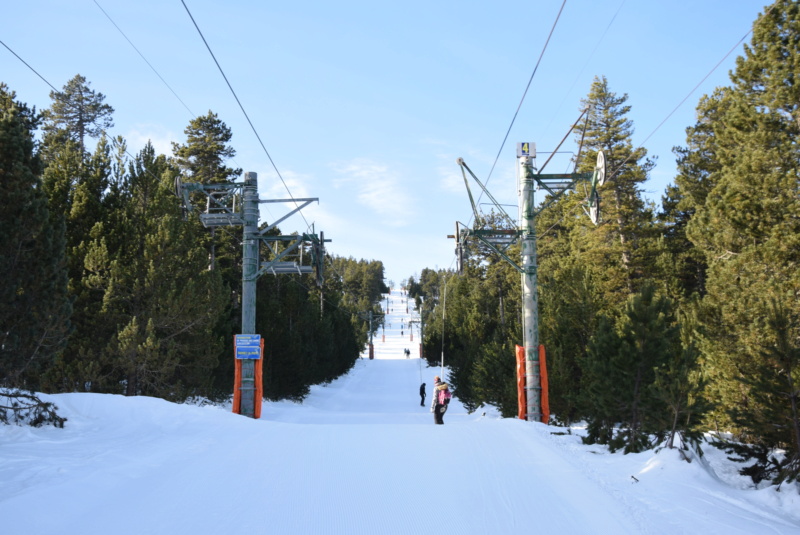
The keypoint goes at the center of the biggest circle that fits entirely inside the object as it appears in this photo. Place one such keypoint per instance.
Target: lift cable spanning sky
(500, 240)
(246, 116)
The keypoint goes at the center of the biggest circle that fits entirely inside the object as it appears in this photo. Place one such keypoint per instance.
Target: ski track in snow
(359, 456)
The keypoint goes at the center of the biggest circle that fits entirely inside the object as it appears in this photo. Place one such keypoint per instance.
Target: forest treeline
(109, 285)
(662, 322)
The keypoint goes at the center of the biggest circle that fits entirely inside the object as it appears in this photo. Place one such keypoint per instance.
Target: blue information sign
(248, 346)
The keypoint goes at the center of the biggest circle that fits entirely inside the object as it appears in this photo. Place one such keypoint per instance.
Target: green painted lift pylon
(368, 316)
(234, 204)
(499, 240)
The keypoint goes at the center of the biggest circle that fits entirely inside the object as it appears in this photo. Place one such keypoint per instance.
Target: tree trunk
(502, 308)
(793, 394)
(626, 255)
(212, 257)
(635, 407)
(671, 440)
(130, 387)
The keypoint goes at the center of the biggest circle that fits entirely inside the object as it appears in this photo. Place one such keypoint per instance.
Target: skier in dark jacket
(422, 394)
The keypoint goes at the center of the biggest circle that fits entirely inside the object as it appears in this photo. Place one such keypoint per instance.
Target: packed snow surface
(358, 456)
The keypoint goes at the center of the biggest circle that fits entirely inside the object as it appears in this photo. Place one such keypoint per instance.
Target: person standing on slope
(441, 397)
(422, 394)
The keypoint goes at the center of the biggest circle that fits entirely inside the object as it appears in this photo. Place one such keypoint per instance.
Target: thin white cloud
(376, 186)
(451, 179)
(161, 138)
(271, 187)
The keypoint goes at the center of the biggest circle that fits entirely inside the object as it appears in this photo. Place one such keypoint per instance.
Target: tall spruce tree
(623, 245)
(585, 270)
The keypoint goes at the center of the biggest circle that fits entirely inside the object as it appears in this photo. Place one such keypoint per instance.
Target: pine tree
(34, 306)
(79, 111)
(748, 225)
(679, 384)
(599, 383)
(202, 158)
(681, 266)
(158, 293)
(775, 389)
(569, 310)
(494, 377)
(620, 372)
(79, 187)
(649, 336)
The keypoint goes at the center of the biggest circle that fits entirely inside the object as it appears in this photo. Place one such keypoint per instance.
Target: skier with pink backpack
(441, 399)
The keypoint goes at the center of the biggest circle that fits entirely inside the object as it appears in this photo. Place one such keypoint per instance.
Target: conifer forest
(662, 323)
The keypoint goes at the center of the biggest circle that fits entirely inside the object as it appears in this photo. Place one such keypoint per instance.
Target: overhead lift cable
(31, 68)
(265, 207)
(55, 94)
(122, 33)
(243, 110)
(513, 119)
(142, 56)
(681, 103)
(568, 92)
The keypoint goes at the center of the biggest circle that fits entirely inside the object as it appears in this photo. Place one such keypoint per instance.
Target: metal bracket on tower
(290, 259)
(221, 201)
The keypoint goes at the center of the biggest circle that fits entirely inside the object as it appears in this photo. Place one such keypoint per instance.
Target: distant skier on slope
(422, 394)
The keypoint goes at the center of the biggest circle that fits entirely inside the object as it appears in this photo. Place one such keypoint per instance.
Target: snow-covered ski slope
(359, 456)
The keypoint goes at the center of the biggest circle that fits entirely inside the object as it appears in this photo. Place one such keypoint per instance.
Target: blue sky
(367, 105)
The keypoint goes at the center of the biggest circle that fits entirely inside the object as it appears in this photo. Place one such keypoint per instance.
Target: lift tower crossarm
(557, 184)
(481, 235)
(463, 165)
(270, 267)
(274, 224)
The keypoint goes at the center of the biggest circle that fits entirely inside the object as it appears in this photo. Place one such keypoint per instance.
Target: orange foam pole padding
(237, 382)
(521, 400)
(259, 382)
(545, 389)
